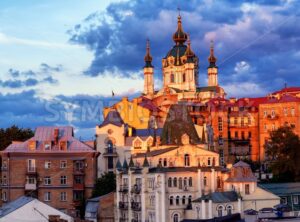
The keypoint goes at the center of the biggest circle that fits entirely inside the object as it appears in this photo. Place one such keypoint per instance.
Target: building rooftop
(14, 205)
(219, 197)
(282, 188)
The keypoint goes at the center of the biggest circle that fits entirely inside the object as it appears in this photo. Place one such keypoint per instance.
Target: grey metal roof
(219, 197)
(113, 117)
(14, 205)
(281, 189)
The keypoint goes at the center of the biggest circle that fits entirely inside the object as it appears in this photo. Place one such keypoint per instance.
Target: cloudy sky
(60, 60)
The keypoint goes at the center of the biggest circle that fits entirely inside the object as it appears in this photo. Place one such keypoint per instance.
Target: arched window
(170, 182)
(205, 181)
(137, 144)
(220, 211)
(183, 200)
(187, 160)
(171, 200)
(172, 78)
(190, 199)
(229, 209)
(208, 161)
(177, 200)
(190, 181)
(175, 182)
(180, 183)
(165, 162)
(183, 77)
(160, 162)
(110, 146)
(176, 218)
(185, 182)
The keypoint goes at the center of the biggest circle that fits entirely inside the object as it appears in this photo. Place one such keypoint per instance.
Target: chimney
(56, 135)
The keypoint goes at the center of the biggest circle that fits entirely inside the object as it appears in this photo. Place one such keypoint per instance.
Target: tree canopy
(13, 133)
(105, 184)
(283, 150)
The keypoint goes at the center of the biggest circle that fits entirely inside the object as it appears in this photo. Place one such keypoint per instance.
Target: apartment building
(52, 166)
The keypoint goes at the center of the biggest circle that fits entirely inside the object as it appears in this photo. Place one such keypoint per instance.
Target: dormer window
(47, 145)
(32, 145)
(137, 144)
(63, 145)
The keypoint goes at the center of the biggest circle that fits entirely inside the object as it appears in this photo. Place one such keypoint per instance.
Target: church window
(180, 183)
(110, 146)
(190, 181)
(220, 211)
(175, 218)
(190, 199)
(177, 200)
(170, 182)
(172, 78)
(229, 210)
(175, 182)
(171, 200)
(220, 123)
(186, 160)
(183, 77)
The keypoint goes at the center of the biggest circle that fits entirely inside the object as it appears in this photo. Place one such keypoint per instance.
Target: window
(293, 111)
(175, 182)
(220, 211)
(176, 218)
(32, 145)
(63, 145)
(229, 209)
(4, 180)
(185, 182)
(31, 180)
(183, 200)
(165, 162)
(47, 180)
(172, 78)
(190, 181)
(190, 199)
(208, 162)
(63, 180)
(247, 189)
(186, 160)
(4, 197)
(242, 121)
(205, 181)
(31, 165)
(171, 200)
(283, 200)
(243, 135)
(47, 164)
(265, 113)
(265, 127)
(249, 135)
(63, 164)
(79, 180)
(220, 124)
(77, 195)
(180, 183)
(249, 120)
(273, 127)
(285, 111)
(236, 134)
(137, 144)
(235, 120)
(218, 182)
(79, 165)
(47, 196)
(63, 196)
(183, 77)
(170, 182)
(110, 162)
(4, 165)
(47, 145)
(295, 200)
(177, 200)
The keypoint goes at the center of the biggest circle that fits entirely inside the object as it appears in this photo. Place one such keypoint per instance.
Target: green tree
(105, 184)
(14, 133)
(283, 150)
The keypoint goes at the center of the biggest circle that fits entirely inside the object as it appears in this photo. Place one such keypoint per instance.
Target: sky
(60, 60)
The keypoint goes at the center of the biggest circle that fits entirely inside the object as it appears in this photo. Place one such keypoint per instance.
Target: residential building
(30, 209)
(52, 166)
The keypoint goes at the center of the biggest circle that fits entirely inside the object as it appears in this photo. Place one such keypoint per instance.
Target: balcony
(30, 186)
(123, 189)
(123, 205)
(110, 152)
(78, 171)
(136, 189)
(31, 170)
(136, 206)
(78, 186)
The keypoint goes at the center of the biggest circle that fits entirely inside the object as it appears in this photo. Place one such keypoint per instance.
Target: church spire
(189, 52)
(212, 59)
(148, 57)
(179, 36)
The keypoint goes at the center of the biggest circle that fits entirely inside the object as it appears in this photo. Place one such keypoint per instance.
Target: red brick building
(52, 166)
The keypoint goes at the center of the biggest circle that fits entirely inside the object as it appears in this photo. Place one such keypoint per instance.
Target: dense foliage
(14, 133)
(283, 150)
(105, 184)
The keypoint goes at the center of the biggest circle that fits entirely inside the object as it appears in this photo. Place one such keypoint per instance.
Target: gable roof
(14, 205)
(46, 134)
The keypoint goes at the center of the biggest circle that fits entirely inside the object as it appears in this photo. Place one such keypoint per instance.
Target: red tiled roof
(288, 90)
(45, 134)
(285, 98)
